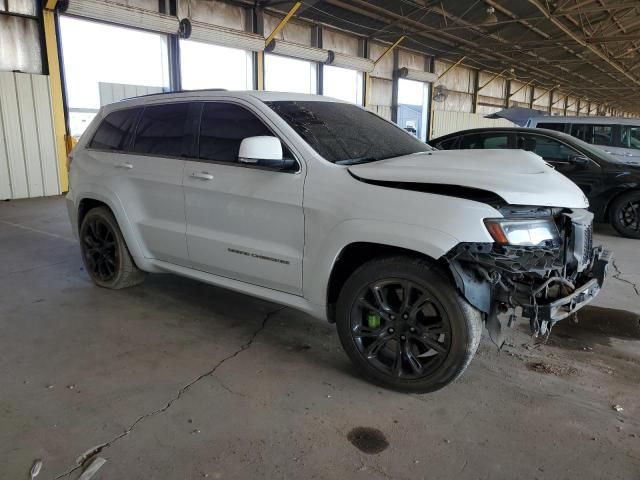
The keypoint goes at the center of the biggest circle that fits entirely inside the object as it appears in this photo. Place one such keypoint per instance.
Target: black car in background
(613, 188)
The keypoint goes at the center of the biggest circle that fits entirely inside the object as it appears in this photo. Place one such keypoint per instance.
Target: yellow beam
(523, 86)
(260, 70)
(55, 81)
(451, 67)
(490, 80)
(389, 49)
(561, 98)
(51, 4)
(283, 22)
(544, 92)
(367, 76)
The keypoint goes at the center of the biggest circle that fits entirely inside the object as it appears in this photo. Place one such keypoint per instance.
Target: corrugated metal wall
(28, 163)
(444, 122)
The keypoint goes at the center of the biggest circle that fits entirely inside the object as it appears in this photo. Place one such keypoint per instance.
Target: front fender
(320, 259)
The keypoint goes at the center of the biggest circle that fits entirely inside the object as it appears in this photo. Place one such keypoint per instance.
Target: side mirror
(578, 159)
(265, 151)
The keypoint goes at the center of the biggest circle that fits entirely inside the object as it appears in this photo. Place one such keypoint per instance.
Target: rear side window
(631, 137)
(162, 130)
(558, 127)
(222, 129)
(448, 144)
(116, 130)
(485, 140)
(594, 134)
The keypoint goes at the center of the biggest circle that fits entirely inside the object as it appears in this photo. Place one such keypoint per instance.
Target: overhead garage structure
(243, 283)
(431, 66)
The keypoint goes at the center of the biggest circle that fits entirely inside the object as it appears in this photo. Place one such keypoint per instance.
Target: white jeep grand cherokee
(325, 207)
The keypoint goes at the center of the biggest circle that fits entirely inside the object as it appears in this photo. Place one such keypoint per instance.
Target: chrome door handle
(202, 176)
(125, 165)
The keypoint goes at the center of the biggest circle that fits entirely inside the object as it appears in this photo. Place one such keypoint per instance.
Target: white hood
(519, 177)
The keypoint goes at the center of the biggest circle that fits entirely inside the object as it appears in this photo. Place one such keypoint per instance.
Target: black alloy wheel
(105, 253)
(400, 328)
(625, 215)
(404, 325)
(100, 249)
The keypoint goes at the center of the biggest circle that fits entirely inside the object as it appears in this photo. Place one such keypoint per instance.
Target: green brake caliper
(373, 320)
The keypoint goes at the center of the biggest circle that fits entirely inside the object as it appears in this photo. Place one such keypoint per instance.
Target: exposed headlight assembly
(523, 232)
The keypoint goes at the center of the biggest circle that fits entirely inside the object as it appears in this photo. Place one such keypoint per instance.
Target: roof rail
(176, 91)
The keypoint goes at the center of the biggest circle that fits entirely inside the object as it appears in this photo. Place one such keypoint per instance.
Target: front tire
(625, 214)
(105, 253)
(404, 325)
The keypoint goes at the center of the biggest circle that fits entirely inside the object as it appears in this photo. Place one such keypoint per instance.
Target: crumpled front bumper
(593, 280)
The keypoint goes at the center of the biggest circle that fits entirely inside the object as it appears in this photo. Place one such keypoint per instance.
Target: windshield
(346, 134)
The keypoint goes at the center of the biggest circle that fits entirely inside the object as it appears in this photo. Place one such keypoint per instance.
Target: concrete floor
(179, 380)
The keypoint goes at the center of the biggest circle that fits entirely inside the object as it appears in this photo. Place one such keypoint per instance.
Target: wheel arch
(89, 200)
(355, 254)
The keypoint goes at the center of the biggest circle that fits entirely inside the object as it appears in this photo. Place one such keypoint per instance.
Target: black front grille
(588, 243)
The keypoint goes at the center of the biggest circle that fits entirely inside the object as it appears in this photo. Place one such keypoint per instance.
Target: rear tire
(624, 214)
(404, 325)
(105, 253)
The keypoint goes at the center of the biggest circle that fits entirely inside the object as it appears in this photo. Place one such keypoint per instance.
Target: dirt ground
(179, 380)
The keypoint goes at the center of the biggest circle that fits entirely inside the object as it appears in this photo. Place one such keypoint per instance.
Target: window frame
(197, 123)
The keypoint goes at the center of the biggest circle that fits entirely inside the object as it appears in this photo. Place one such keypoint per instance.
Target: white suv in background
(618, 136)
(325, 207)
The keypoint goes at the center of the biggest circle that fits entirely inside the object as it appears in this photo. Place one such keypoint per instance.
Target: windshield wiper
(356, 161)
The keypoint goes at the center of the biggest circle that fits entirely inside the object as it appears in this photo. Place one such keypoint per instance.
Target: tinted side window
(114, 133)
(631, 137)
(558, 127)
(161, 130)
(222, 129)
(448, 144)
(485, 140)
(548, 148)
(603, 135)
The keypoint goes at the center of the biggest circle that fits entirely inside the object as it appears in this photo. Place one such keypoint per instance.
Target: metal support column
(255, 24)
(175, 73)
(395, 82)
(316, 41)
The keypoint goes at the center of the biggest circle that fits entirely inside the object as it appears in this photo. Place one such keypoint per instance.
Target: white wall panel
(292, 32)
(340, 42)
(30, 149)
(46, 138)
(444, 122)
(5, 183)
(28, 162)
(213, 12)
(411, 60)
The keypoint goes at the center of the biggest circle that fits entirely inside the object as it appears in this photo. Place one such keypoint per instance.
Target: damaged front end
(542, 263)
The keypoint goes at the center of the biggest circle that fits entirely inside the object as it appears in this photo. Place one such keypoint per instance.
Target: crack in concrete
(81, 461)
(617, 277)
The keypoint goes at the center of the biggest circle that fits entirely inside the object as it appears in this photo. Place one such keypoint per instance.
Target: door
(145, 174)
(243, 222)
(570, 162)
